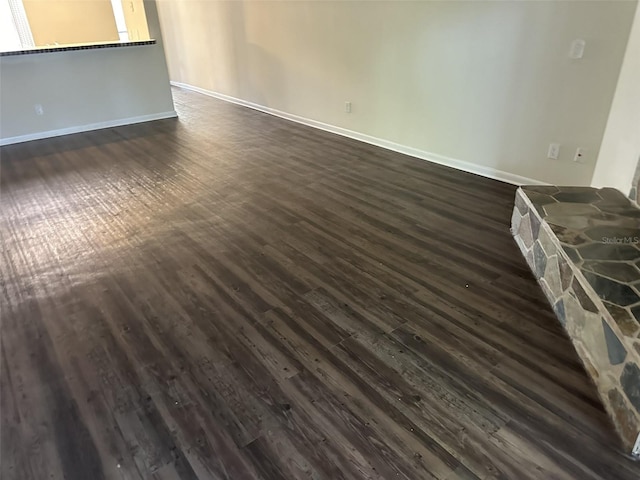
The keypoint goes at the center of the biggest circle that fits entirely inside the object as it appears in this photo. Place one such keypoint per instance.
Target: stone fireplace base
(583, 246)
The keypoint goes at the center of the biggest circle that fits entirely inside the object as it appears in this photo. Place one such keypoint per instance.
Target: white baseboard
(396, 147)
(87, 128)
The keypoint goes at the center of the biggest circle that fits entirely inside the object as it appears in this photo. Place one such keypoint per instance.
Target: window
(36, 23)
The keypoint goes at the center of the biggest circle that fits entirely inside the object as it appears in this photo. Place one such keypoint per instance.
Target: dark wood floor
(230, 295)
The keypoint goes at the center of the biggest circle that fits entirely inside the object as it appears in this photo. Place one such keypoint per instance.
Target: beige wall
(80, 89)
(620, 149)
(488, 83)
(136, 20)
(71, 21)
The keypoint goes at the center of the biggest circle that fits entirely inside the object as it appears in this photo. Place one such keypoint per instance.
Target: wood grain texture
(233, 296)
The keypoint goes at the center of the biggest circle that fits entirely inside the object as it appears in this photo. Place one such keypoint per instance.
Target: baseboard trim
(87, 128)
(379, 142)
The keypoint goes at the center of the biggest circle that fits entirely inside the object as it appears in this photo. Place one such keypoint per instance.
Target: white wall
(489, 83)
(620, 149)
(85, 89)
(9, 38)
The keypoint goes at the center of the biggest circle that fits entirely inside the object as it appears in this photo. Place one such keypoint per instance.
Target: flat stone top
(76, 46)
(599, 229)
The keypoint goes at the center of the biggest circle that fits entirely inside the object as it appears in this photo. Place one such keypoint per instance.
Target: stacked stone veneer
(583, 246)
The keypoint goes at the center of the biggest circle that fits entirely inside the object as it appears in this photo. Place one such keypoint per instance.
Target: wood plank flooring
(233, 296)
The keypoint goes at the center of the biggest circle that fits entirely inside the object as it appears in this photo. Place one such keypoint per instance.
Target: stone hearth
(583, 246)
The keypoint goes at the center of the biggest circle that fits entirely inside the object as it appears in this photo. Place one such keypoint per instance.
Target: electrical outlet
(554, 151)
(577, 49)
(38, 108)
(347, 107)
(581, 155)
